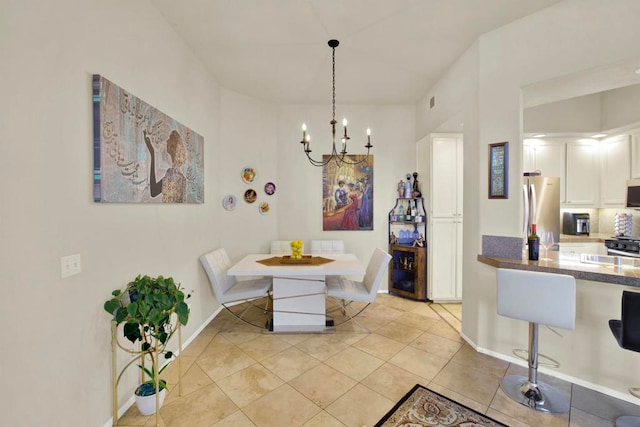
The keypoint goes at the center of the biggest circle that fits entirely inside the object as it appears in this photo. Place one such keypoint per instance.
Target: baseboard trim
(552, 373)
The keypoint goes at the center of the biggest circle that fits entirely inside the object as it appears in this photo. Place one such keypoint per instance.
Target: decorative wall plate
(264, 208)
(250, 195)
(269, 188)
(229, 202)
(248, 174)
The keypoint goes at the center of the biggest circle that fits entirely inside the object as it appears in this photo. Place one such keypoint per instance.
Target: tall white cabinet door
(582, 174)
(446, 176)
(616, 170)
(635, 155)
(445, 268)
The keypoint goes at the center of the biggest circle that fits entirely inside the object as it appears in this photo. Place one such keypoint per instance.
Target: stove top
(623, 244)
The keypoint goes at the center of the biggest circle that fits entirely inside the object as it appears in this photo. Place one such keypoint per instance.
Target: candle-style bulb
(344, 122)
(368, 132)
(304, 127)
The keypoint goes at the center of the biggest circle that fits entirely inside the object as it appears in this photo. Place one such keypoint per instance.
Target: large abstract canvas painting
(141, 155)
(347, 192)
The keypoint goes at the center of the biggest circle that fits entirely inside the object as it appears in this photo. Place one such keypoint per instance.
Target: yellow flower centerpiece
(296, 249)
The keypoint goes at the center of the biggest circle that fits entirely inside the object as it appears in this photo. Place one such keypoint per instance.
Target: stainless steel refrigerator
(541, 205)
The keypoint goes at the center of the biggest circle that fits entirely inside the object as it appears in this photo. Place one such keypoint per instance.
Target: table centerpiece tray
(288, 260)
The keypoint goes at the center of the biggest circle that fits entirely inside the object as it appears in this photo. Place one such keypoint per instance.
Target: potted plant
(146, 307)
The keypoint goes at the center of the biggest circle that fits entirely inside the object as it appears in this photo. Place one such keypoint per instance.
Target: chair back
(282, 247)
(544, 298)
(630, 336)
(216, 263)
(327, 247)
(378, 263)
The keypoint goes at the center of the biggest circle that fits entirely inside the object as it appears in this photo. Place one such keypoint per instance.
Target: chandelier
(340, 157)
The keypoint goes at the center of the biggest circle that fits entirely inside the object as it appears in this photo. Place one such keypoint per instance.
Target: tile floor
(243, 377)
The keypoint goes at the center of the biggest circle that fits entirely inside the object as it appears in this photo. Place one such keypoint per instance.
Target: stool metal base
(627, 421)
(541, 397)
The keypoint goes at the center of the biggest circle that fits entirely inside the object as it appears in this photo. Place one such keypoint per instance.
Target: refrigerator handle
(525, 226)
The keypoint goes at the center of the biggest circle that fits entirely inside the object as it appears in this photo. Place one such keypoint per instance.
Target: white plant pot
(147, 404)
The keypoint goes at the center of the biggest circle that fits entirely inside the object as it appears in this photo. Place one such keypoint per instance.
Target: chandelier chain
(333, 61)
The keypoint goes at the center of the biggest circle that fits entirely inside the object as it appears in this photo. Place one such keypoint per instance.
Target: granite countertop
(593, 237)
(628, 276)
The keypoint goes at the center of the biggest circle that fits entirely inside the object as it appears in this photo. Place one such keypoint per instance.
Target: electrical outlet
(70, 265)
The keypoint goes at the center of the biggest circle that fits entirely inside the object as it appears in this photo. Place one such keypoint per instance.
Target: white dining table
(299, 289)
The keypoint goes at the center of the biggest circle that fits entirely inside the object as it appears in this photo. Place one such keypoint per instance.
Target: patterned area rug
(424, 407)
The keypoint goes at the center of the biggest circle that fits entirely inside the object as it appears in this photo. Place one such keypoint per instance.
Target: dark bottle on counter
(407, 215)
(534, 244)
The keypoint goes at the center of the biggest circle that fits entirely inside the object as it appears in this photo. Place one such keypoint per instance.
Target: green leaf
(182, 310)
(111, 306)
(116, 293)
(145, 346)
(168, 355)
(121, 314)
(132, 308)
(132, 331)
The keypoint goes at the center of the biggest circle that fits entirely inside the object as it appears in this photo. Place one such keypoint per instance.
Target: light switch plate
(70, 265)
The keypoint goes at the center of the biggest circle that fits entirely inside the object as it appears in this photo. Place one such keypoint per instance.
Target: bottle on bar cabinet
(534, 244)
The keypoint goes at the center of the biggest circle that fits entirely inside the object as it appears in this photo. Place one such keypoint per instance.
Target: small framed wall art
(499, 170)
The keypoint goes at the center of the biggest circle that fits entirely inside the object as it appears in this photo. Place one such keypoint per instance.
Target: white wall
(582, 114)
(300, 203)
(56, 339)
(572, 36)
(621, 107)
(248, 136)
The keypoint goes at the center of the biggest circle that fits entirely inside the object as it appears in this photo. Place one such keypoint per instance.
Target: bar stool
(627, 332)
(541, 299)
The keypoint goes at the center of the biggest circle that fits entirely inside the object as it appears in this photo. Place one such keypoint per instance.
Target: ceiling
(391, 51)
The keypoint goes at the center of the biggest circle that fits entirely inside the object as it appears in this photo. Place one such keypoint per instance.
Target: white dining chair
(348, 291)
(227, 290)
(327, 247)
(282, 247)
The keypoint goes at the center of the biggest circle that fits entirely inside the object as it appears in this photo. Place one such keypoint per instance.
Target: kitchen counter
(593, 237)
(571, 265)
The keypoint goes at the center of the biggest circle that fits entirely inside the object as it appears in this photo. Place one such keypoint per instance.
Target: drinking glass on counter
(547, 242)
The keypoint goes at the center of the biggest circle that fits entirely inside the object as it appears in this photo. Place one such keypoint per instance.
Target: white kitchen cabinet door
(582, 177)
(528, 157)
(446, 176)
(635, 155)
(548, 157)
(616, 170)
(444, 269)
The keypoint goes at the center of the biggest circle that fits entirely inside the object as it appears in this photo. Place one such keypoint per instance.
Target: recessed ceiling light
(598, 135)
(539, 135)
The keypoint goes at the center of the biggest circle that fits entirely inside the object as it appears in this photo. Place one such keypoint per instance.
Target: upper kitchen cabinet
(582, 174)
(616, 170)
(635, 154)
(546, 157)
